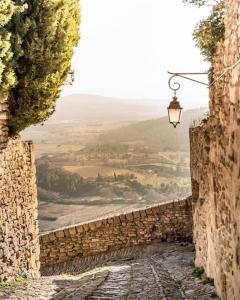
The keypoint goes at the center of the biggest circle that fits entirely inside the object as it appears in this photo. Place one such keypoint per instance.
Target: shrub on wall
(209, 31)
(43, 37)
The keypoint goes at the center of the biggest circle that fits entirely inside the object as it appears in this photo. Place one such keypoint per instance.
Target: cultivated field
(97, 166)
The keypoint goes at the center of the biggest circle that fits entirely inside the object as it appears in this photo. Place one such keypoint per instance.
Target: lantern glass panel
(174, 116)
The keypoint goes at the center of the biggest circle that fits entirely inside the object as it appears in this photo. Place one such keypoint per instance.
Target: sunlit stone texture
(215, 166)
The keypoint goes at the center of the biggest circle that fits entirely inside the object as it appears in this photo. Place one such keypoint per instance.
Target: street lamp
(174, 112)
(174, 108)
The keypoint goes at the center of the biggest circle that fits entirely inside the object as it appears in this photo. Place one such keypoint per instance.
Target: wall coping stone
(129, 215)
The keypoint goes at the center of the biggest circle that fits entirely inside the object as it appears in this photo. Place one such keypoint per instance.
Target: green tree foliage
(209, 32)
(7, 76)
(43, 37)
(55, 179)
(52, 178)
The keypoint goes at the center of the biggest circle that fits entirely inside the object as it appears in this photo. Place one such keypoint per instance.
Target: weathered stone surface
(3, 120)
(165, 221)
(19, 247)
(160, 271)
(215, 166)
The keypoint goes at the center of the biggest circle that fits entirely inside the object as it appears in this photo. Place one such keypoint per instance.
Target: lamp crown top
(174, 104)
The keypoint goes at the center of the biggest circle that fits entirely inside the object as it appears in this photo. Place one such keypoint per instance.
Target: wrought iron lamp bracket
(175, 86)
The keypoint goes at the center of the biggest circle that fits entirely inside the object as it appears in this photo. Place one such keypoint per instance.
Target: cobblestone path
(158, 271)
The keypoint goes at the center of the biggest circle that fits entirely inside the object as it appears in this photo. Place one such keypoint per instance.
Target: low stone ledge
(169, 220)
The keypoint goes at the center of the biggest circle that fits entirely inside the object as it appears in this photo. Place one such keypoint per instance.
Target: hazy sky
(127, 47)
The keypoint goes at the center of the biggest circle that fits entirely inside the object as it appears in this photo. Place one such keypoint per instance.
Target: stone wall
(19, 247)
(3, 120)
(215, 167)
(164, 221)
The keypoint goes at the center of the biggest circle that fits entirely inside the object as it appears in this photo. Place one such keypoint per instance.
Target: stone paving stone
(160, 271)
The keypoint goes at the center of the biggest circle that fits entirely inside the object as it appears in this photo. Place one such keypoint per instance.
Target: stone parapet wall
(167, 221)
(215, 168)
(19, 247)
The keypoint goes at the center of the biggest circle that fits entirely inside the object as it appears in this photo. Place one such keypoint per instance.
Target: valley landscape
(99, 156)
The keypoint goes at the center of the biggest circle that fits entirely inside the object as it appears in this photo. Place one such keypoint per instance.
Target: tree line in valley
(55, 179)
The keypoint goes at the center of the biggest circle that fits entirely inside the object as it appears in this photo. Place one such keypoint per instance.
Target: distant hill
(83, 107)
(157, 132)
(80, 118)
